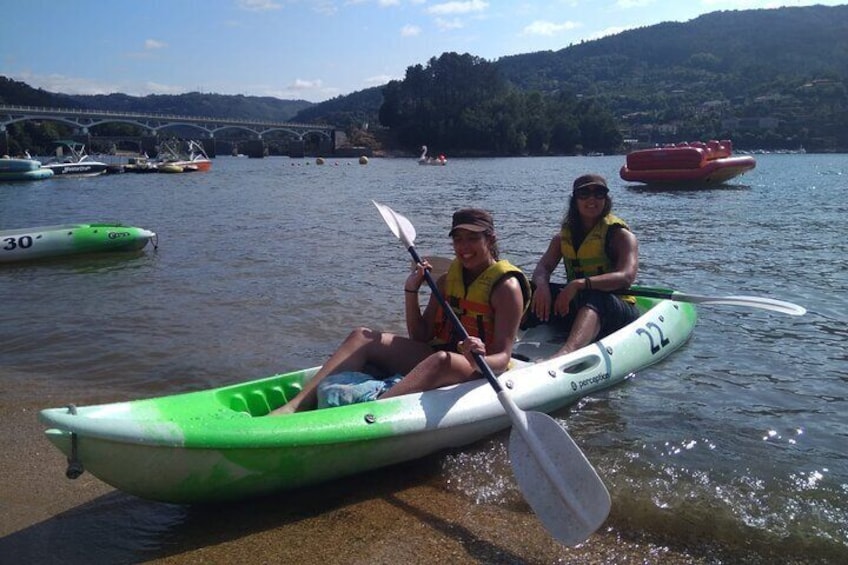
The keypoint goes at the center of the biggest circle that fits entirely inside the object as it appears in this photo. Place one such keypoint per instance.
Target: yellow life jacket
(591, 258)
(472, 305)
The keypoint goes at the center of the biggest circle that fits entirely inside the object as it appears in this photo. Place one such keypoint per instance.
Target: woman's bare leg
(362, 346)
(439, 369)
(584, 330)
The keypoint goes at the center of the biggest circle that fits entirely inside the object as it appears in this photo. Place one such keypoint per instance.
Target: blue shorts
(352, 387)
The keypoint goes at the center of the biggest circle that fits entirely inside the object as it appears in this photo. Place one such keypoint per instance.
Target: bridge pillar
(297, 149)
(150, 145)
(84, 138)
(254, 148)
(209, 147)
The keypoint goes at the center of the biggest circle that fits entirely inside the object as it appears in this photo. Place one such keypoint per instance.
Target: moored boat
(686, 163)
(171, 168)
(141, 165)
(28, 244)
(15, 165)
(75, 163)
(173, 161)
(12, 169)
(37, 174)
(220, 444)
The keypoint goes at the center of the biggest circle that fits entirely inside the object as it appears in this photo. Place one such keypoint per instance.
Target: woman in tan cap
(601, 254)
(488, 295)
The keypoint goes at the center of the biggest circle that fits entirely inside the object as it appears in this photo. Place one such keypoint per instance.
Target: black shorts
(615, 313)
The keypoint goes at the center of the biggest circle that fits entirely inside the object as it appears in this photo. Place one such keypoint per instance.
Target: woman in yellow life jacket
(488, 295)
(601, 254)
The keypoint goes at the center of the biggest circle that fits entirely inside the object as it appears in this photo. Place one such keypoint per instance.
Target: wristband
(410, 291)
(588, 282)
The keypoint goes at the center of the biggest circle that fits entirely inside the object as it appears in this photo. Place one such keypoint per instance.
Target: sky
(310, 50)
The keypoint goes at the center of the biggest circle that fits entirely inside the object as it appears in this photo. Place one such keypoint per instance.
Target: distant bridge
(83, 120)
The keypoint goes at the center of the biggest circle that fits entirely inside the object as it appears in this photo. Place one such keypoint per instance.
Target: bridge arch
(164, 127)
(153, 124)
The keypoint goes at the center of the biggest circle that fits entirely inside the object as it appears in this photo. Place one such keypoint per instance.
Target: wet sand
(398, 515)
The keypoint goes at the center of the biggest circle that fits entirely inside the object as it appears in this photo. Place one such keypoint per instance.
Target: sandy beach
(397, 515)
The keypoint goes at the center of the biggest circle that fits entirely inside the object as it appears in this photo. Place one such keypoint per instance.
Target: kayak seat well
(259, 399)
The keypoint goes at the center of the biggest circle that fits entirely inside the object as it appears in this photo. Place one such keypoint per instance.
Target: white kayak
(220, 444)
(26, 244)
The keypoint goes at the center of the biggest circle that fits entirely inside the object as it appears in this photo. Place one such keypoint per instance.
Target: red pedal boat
(691, 163)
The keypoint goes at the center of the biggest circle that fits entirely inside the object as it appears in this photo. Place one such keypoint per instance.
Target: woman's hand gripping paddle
(556, 479)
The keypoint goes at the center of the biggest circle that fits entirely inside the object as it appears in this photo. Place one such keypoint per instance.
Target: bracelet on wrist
(410, 291)
(587, 282)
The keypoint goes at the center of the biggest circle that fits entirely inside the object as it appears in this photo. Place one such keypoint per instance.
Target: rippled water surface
(264, 265)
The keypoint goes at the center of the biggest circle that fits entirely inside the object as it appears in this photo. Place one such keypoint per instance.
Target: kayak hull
(27, 244)
(219, 444)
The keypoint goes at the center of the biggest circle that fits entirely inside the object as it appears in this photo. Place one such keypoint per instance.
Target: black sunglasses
(586, 192)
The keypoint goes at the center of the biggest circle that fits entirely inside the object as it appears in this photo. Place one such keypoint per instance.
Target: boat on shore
(686, 163)
(28, 244)
(72, 160)
(220, 444)
(16, 169)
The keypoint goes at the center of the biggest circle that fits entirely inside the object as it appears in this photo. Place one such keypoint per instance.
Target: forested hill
(747, 49)
(722, 54)
(189, 104)
(772, 77)
(767, 78)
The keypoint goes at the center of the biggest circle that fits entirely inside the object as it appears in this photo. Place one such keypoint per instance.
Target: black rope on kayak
(75, 468)
(155, 241)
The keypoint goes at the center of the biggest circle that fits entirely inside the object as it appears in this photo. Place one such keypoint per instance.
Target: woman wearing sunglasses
(601, 254)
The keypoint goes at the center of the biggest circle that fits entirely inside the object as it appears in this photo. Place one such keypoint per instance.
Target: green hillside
(764, 78)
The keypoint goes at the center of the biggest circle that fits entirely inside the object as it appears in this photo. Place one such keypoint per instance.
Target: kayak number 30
(12, 243)
(663, 341)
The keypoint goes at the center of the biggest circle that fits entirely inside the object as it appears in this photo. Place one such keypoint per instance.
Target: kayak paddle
(554, 475)
(752, 301)
(441, 264)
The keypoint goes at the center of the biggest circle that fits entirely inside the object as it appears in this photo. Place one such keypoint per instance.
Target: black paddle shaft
(481, 363)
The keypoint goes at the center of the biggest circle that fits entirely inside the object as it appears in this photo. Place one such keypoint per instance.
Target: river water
(735, 448)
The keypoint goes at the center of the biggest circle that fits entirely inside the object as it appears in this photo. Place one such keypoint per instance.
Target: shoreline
(399, 514)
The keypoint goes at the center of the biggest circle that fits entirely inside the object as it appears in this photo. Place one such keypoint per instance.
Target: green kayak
(219, 444)
(28, 244)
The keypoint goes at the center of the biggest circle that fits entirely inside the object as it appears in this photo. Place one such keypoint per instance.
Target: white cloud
(453, 8)
(154, 44)
(258, 5)
(158, 88)
(540, 27)
(83, 86)
(410, 30)
(378, 80)
(445, 25)
(301, 84)
(625, 4)
(607, 32)
(64, 84)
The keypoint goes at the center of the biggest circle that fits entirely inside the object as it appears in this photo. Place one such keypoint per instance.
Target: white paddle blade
(557, 480)
(400, 226)
(750, 301)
